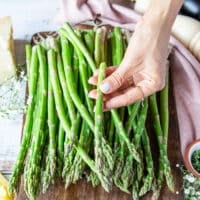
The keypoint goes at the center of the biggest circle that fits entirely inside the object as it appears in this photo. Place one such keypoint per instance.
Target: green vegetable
(33, 169)
(103, 153)
(162, 135)
(51, 159)
(67, 56)
(67, 135)
(27, 130)
(196, 160)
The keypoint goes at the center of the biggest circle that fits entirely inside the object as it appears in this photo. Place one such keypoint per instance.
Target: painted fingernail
(105, 87)
(90, 80)
(96, 73)
(90, 95)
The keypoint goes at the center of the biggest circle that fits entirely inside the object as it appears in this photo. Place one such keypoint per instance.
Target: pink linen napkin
(185, 70)
(184, 66)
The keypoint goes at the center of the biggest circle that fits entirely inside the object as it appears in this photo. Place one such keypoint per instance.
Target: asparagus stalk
(148, 179)
(68, 32)
(133, 112)
(79, 165)
(164, 164)
(138, 130)
(84, 78)
(33, 170)
(67, 172)
(103, 152)
(119, 50)
(89, 37)
(66, 55)
(85, 141)
(50, 168)
(100, 41)
(69, 149)
(76, 67)
(28, 50)
(60, 149)
(64, 122)
(66, 95)
(32, 87)
(158, 130)
(164, 120)
(119, 145)
(121, 131)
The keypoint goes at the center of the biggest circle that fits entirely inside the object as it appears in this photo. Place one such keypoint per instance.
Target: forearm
(163, 12)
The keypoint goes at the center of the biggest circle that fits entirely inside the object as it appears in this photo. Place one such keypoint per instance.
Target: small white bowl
(188, 157)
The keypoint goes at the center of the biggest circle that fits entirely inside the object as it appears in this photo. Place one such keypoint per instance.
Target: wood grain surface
(84, 191)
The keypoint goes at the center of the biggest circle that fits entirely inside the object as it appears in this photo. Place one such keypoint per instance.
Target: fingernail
(90, 95)
(105, 87)
(96, 73)
(90, 80)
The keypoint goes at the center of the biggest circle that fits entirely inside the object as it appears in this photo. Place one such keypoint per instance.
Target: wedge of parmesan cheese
(7, 57)
(4, 189)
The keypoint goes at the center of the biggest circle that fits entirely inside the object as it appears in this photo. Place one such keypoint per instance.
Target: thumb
(113, 82)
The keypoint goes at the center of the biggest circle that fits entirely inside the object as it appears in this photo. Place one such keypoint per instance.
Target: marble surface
(28, 17)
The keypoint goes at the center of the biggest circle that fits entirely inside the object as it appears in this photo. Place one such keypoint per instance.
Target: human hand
(142, 70)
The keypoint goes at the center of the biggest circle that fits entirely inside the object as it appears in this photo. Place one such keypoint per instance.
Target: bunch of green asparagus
(66, 134)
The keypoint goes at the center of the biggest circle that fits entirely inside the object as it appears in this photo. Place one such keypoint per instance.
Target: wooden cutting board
(84, 191)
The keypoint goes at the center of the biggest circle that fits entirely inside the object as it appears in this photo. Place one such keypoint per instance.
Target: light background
(28, 17)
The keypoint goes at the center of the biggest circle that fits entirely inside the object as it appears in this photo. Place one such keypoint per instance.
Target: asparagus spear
(158, 130)
(103, 152)
(32, 86)
(89, 37)
(33, 170)
(67, 172)
(75, 63)
(164, 120)
(84, 78)
(66, 95)
(164, 164)
(28, 50)
(148, 179)
(60, 149)
(68, 32)
(50, 168)
(119, 145)
(65, 123)
(79, 165)
(133, 112)
(138, 130)
(66, 55)
(71, 84)
(119, 50)
(85, 141)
